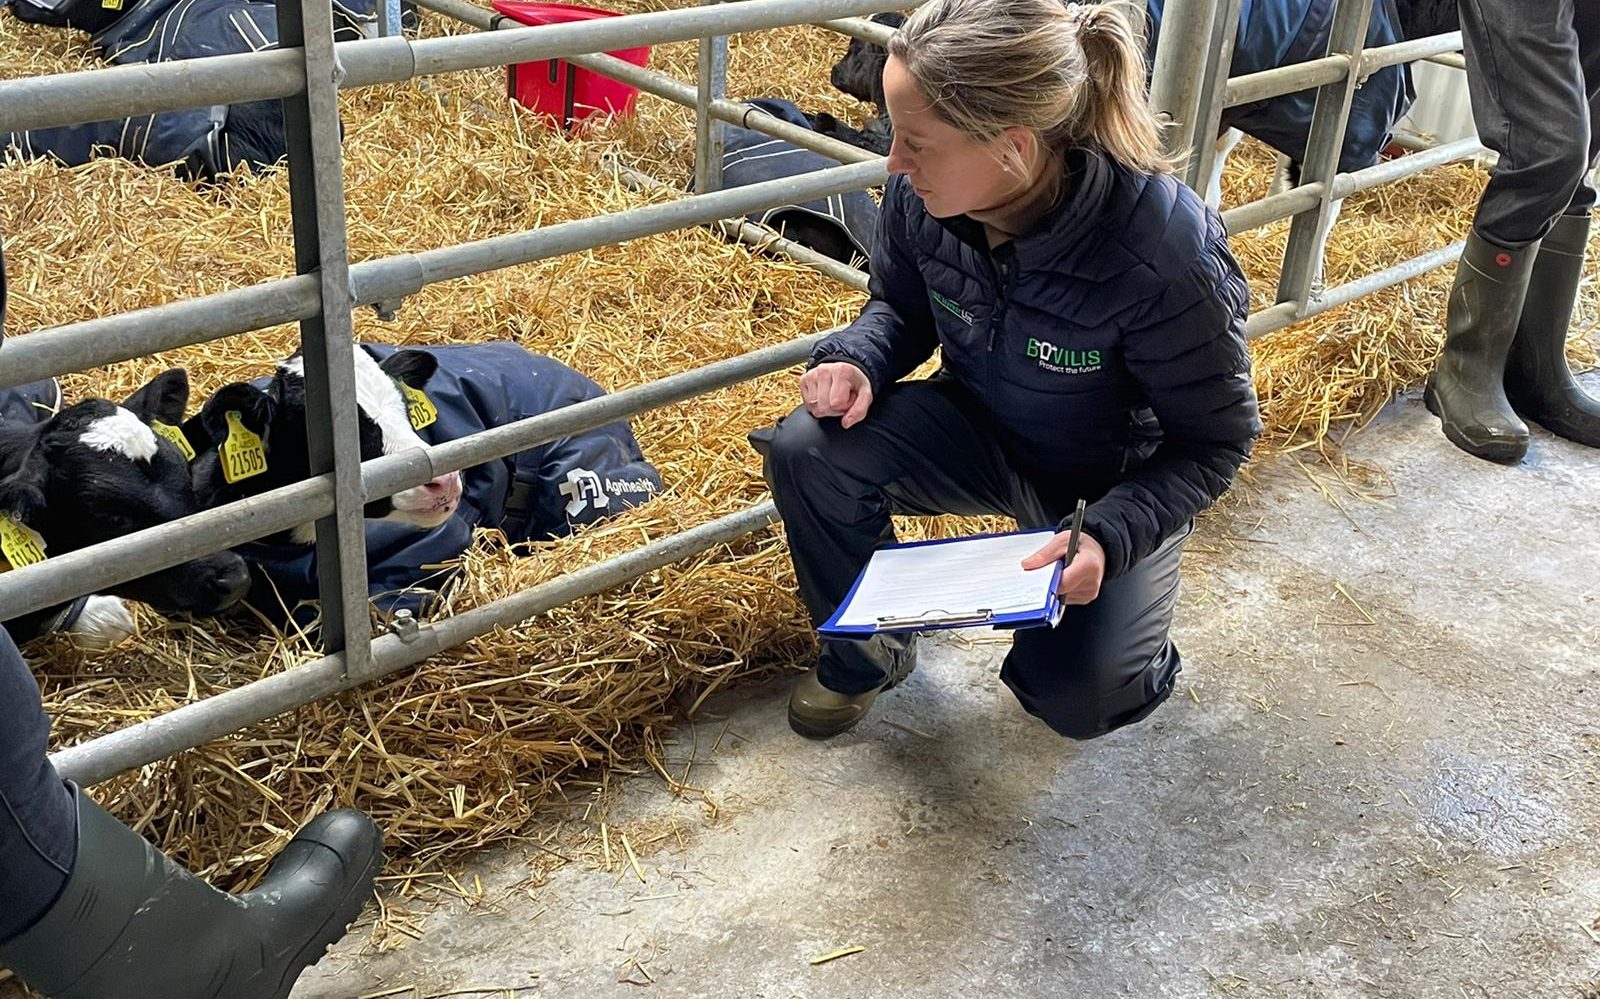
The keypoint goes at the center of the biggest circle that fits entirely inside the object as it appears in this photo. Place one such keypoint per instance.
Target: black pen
(1077, 532)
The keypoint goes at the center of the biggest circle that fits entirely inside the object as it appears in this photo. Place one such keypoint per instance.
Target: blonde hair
(1073, 74)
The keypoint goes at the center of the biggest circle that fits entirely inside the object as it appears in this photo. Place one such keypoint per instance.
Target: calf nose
(445, 488)
(231, 584)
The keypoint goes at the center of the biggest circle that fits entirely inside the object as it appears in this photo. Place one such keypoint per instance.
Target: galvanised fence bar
(307, 72)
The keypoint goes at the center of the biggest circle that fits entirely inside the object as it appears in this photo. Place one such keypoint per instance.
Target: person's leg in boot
(1538, 381)
(1110, 662)
(921, 450)
(38, 814)
(1530, 104)
(1466, 389)
(90, 910)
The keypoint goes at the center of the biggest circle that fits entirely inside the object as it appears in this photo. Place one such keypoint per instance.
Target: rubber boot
(819, 713)
(1538, 381)
(1466, 390)
(131, 924)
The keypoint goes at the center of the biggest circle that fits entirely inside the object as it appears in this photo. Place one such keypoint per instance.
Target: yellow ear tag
(21, 544)
(419, 408)
(174, 435)
(111, 4)
(242, 453)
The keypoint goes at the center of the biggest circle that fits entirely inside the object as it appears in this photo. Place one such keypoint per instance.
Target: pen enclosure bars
(308, 72)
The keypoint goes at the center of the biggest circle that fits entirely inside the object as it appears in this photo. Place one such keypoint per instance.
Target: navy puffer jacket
(1107, 345)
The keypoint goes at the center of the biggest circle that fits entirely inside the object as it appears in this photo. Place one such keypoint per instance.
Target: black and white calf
(95, 471)
(413, 542)
(250, 438)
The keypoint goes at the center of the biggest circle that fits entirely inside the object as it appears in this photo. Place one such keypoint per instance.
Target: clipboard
(1045, 613)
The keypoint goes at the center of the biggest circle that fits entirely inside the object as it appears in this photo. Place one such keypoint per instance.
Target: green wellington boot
(1538, 381)
(819, 713)
(1467, 388)
(131, 924)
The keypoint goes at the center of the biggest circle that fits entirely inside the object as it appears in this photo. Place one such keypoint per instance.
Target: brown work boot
(819, 713)
(1466, 390)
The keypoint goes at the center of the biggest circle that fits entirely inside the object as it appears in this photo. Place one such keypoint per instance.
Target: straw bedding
(463, 753)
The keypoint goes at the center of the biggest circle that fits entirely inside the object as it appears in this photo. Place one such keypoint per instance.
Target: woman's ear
(1022, 146)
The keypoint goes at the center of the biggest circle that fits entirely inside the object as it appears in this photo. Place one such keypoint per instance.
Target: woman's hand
(1080, 581)
(837, 389)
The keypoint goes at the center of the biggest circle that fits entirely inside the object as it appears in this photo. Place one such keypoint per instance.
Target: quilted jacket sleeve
(1187, 352)
(895, 331)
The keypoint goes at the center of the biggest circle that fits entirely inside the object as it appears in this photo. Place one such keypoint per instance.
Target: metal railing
(307, 72)
(1189, 85)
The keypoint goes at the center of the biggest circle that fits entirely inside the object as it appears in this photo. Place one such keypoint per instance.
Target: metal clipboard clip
(935, 618)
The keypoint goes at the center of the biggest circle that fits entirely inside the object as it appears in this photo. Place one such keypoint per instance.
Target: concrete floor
(1379, 779)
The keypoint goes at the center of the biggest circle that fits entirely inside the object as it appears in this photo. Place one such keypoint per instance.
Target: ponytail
(1117, 117)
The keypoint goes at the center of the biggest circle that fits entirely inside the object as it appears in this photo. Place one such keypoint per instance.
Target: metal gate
(307, 73)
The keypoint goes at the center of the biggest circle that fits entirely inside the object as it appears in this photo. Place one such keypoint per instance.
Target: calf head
(875, 137)
(252, 439)
(860, 72)
(97, 471)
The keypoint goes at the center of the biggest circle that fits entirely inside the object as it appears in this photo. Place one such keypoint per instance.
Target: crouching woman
(1090, 322)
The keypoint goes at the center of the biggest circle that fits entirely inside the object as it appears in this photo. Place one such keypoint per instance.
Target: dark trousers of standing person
(1535, 90)
(925, 449)
(1533, 73)
(38, 814)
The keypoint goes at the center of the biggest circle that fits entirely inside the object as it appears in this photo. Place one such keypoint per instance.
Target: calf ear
(22, 492)
(165, 398)
(255, 409)
(410, 367)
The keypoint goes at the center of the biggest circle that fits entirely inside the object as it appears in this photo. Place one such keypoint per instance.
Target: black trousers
(1533, 73)
(38, 817)
(924, 449)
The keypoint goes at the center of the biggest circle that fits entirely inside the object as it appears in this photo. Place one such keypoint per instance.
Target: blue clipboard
(936, 619)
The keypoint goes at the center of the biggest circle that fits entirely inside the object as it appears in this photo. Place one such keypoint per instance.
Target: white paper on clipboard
(962, 577)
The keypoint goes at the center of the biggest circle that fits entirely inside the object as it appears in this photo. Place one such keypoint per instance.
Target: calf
(534, 494)
(841, 226)
(251, 438)
(95, 471)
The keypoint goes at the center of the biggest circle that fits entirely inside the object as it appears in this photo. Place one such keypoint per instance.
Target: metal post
(1302, 256)
(1284, 314)
(1214, 88)
(712, 71)
(734, 112)
(389, 19)
(1180, 68)
(316, 192)
(863, 28)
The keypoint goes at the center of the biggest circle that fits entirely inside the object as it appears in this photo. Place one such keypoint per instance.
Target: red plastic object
(557, 88)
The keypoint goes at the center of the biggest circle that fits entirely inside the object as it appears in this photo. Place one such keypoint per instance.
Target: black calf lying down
(843, 226)
(92, 472)
(408, 398)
